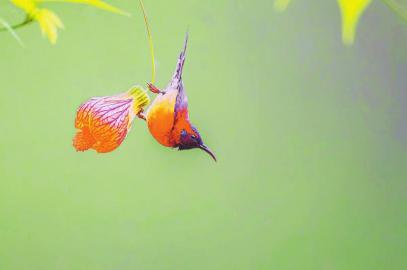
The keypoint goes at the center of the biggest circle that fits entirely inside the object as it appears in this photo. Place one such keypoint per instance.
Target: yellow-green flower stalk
(50, 22)
(351, 11)
(150, 41)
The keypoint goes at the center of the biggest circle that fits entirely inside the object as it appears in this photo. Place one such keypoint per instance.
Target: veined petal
(96, 3)
(83, 140)
(109, 123)
(351, 11)
(104, 122)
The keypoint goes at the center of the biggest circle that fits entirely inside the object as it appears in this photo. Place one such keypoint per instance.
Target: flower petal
(109, 123)
(104, 122)
(83, 140)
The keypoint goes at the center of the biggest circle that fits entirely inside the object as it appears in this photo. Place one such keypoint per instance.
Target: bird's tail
(180, 64)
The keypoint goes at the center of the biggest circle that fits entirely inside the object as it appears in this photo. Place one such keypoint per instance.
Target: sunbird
(103, 122)
(167, 117)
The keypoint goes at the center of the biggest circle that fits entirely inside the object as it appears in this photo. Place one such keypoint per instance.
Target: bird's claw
(141, 115)
(154, 89)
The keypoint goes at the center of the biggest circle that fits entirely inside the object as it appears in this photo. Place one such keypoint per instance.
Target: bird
(167, 117)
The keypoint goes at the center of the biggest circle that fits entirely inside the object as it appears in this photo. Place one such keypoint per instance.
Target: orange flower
(103, 122)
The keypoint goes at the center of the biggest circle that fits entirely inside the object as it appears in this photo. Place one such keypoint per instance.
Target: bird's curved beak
(207, 150)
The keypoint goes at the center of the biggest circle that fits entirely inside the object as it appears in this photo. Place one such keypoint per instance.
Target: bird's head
(192, 139)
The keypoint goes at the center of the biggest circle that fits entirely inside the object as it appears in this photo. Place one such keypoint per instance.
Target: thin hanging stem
(393, 5)
(150, 41)
(26, 21)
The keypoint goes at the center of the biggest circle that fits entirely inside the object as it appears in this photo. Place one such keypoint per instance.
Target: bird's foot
(154, 89)
(141, 115)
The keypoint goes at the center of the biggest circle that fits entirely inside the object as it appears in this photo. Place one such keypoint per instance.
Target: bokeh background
(310, 135)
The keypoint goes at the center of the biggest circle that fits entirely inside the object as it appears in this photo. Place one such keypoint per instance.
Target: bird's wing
(176, 82)
(177, 77)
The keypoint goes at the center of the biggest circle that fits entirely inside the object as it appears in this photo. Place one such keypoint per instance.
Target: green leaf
(398, 8)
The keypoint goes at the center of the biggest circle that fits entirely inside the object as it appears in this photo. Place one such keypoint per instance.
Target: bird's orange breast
(160, 118)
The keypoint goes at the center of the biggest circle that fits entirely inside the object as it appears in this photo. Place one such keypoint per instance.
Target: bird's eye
(193, 137)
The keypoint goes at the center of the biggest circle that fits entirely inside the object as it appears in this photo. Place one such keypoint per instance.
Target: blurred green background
(310, 135)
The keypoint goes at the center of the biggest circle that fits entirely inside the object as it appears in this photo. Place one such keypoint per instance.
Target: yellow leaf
(27, 5)
(49, 22)
(351, 11)
(281, 5)
(95, 3)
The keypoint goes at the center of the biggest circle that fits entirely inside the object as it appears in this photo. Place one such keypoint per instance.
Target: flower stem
(150, 41)
(26, 21)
